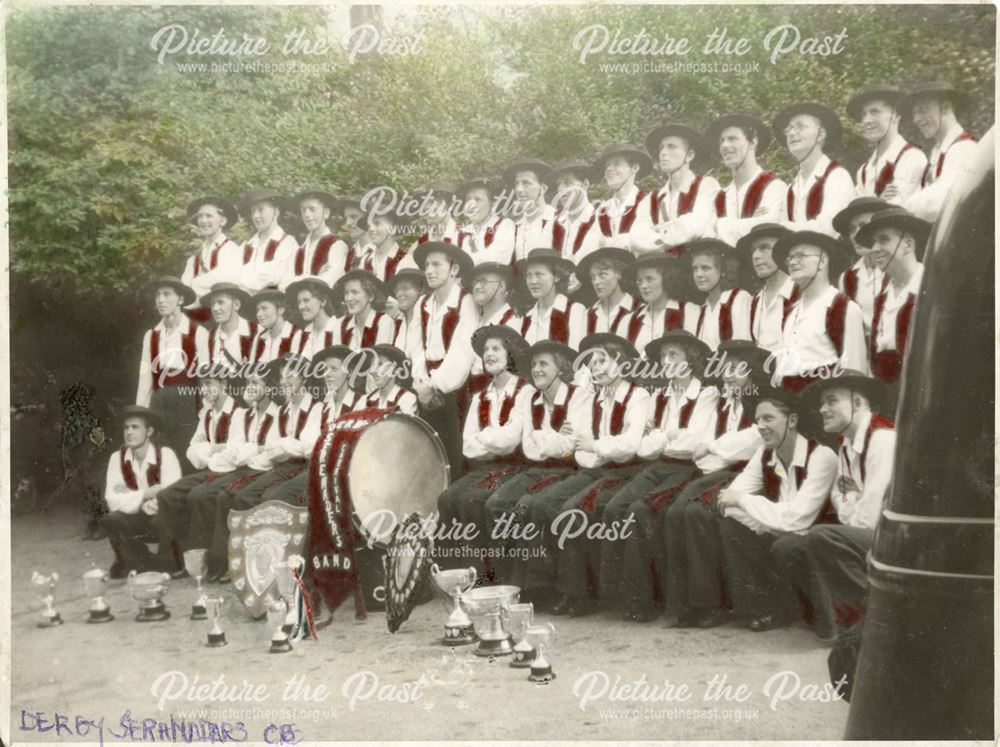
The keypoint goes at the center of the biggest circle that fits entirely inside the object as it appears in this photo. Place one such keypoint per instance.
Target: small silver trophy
(520, 617)
(284, 574)
(95, 582)
(45, 588)
(277, 611)
(494, 640)
(458, 629)
(196, 564)
(541, 635)
(216, 636)
(148, 589)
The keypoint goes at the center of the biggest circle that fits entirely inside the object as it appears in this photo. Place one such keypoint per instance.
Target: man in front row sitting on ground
(136, 474)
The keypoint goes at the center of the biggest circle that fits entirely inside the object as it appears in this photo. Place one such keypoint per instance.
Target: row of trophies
(148, 589)
(501, 625)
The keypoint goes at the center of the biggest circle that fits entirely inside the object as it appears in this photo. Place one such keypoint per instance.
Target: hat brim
(873, 390)
(609, 253)
(834, 249)
(317, 286)
(337, 293)
(645, 162)
(555, 261)
(890, 95)
(457, 255)
(226, 207)
(188, 296)
(540, 169)
(715, 128)
(959, 101)
(828, 120)
(653, 347)
(919, 229)
(600, 339)
(694, 139)
(861, 206)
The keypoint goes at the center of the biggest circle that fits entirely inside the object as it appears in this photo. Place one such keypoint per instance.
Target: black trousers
(838, 557)
(207, 527)
(174, 504)
(128, 535)
(444, 420)
(180, 419)
(757, 586)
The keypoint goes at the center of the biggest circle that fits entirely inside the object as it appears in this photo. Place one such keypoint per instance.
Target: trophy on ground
(453, 583)
(285, 573)
(216, 636)
(196, 564)
(95, 583)
(148, 589)
(541, 635)
(45, 588)
(520, 616)
(276, 614)
(494, 639)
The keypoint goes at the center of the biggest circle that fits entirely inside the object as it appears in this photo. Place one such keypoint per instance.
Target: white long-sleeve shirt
(309, 341)
(534, 233)
(666, 437)
(737, 443)
(294, 441)
(766, 323)
(771, 209)
(498, 232)
(798, 506)
(130, 501)
(619, 448)
(907, 169)
(209, 432)
(259, 272)
(708, 328)
(838, 191)
(330, 269)
(218, 262)
(622, 215)
(537, 325)
(265, 348)
(455, 355)
(540, 444)
(673, 228)
(647, 324)
(950, 157)
(579, 232)
(250, 432)
(171, 355)
(227, 348)
(806, 344)
(870, 281)
(502, 435)
(394, 396)
(861, 508)
(379, 328)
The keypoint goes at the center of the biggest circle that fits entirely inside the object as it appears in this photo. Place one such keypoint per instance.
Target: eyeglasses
(798, 127)
(483, 282)
(797, 257)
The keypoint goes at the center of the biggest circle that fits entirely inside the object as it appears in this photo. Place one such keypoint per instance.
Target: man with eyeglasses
(895, 166)
(753, 195)
(822, 187)
(823, 331)
(933, 107)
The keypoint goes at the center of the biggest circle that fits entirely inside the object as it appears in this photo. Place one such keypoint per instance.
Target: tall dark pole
(925, 670)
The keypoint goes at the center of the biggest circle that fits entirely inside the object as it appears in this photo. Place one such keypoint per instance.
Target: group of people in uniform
(676, 401)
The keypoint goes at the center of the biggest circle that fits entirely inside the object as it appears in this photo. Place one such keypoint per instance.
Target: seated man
(835, 554)
(603, 271)
(388, 380)
(491, 436)
(136, 474)
(780, 493)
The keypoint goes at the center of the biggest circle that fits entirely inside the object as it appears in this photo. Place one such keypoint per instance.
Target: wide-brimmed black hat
(857, 206)
(333, 351)
(676, 274)
(746, 277)
(309, 282)
(476, 182)
(152, 417)
(886, 92)
(761, 231)
(251, 198)
(535, 165)
(378, 302)
(694, 139)
(269, 294)
(579, 167)
(457, 255)
(738, 350)
(834, 248)
(224, 206)
(607, 253)
(742, 120)
(765, 391)
(899, 218)
(554, 347)
(677, 337)
(186, 293)
(633, 153)
(515, 343)
(872, 389)
(600, 339)
(407, 273)
(827, 117)
(346, 201)
(933, 89)
(398, 357)
(329, 201)
(498, 268)
(550, 257)
(232, 290)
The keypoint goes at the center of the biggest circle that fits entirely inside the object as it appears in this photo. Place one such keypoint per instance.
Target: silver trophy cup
(95, 582)
(216, 636)
(196, 564)
(45, 588)
(148, 589)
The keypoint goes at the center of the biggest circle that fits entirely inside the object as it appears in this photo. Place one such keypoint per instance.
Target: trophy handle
(472, 580)
(131, 579)
(435, 570)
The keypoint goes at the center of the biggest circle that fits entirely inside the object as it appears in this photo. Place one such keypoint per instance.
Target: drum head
(399, 467)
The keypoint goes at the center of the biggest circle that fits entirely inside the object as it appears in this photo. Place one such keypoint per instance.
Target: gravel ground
(364, 683)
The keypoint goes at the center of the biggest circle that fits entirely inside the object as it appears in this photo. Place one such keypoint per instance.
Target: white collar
(150, 456)
(183, 327)
(798, 456)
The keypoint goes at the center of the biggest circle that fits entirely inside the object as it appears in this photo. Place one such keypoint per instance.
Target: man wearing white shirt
(136, 474)
(836, 554)
(627, 209)
(774, 300)
(933, 108)
(322, 254)
(491, 438)
(486, 236)
(383, 254)
(533, 217)
(171, 353)
(231, 339)
(553, 317)
(365, 323)
(276, 335)
(439, 342)
(387, 380)
(753, 195)
(779, 494)
(897, 239)
(311, 297)
(684, 208)
(863, 281)
(662, 282)
(269, 254)
(895, 167)
(355, 224)
(824, 329)
(338, 366)
(574, 234)
(719, 272)
(603, 270)
(406, 286)
(219, 258)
